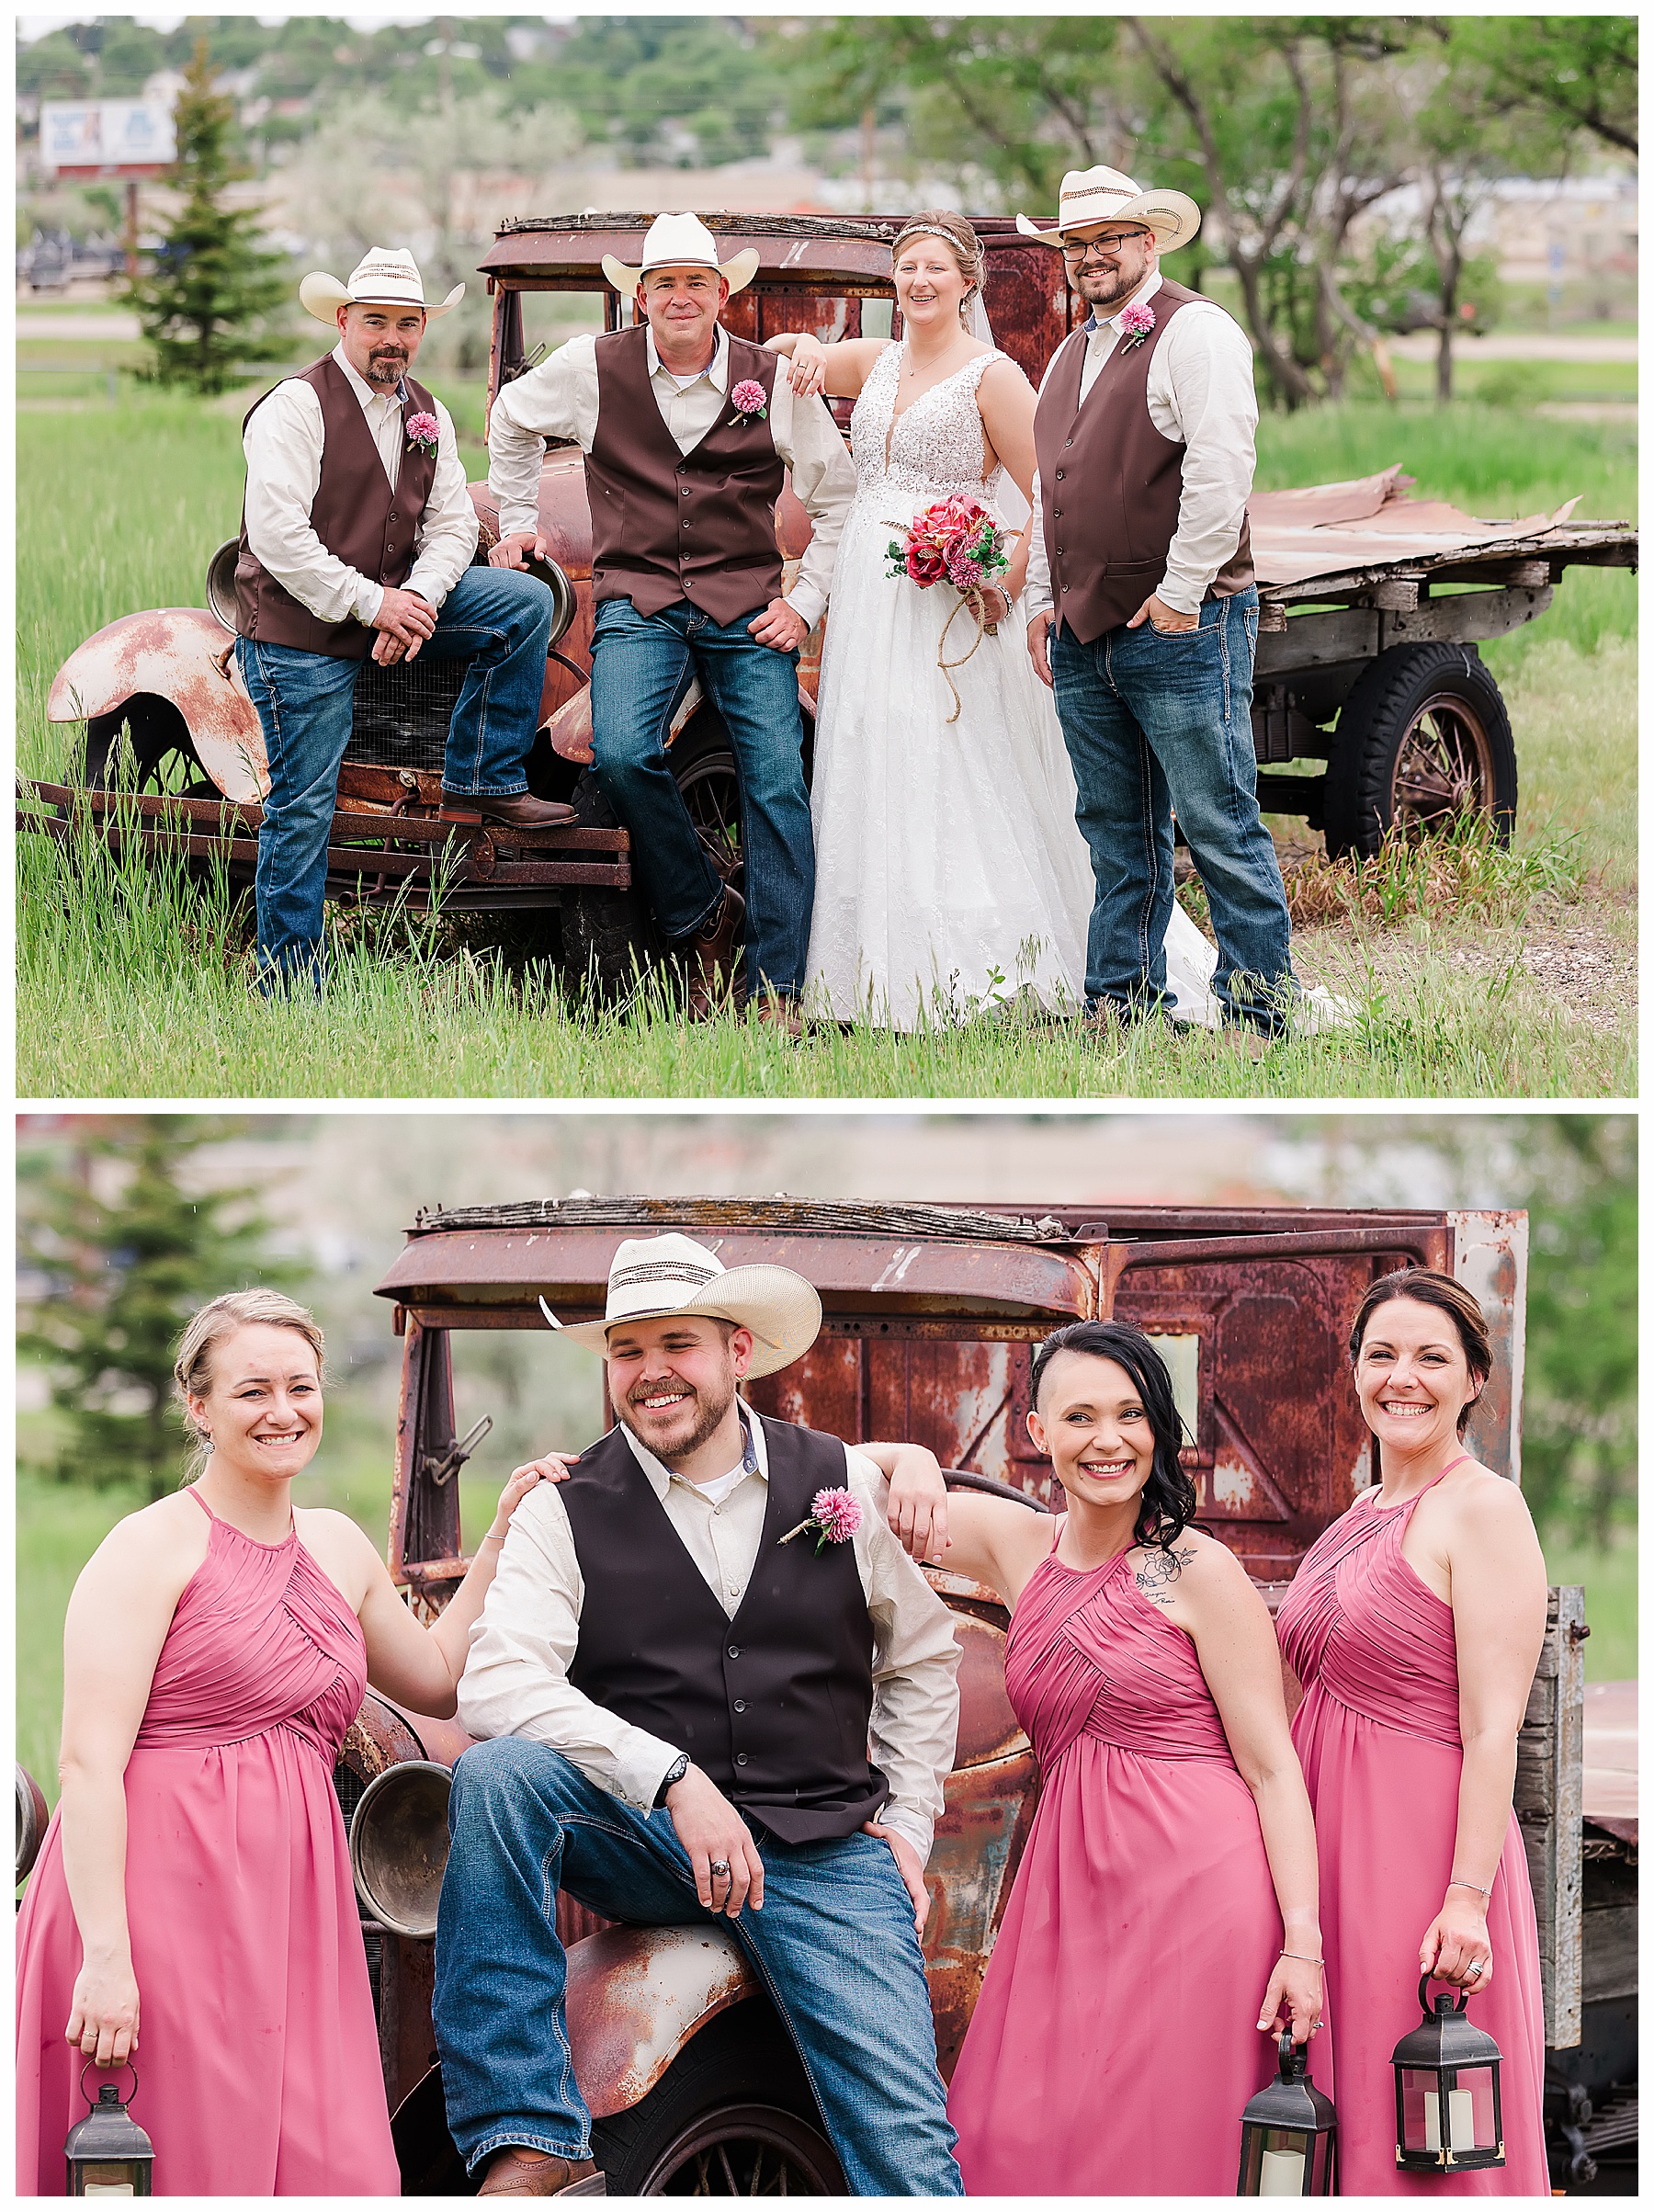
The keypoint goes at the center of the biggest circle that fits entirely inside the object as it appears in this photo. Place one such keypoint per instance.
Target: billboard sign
(103, 138)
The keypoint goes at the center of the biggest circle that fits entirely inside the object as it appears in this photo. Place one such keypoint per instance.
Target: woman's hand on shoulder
(839, 370)
(916, 1507)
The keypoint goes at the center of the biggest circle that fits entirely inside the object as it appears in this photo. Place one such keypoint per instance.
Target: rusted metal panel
(636, 1996)
(179, 654)
(1490, 1257)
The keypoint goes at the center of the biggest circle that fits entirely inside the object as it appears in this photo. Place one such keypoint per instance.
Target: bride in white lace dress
(950, 874)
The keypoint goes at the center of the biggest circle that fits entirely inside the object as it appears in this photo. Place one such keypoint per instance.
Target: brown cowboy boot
(519, 2172)
(711, 958)
(514, 809)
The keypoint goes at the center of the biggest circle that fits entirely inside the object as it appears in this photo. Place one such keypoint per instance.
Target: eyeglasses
(1110, 243)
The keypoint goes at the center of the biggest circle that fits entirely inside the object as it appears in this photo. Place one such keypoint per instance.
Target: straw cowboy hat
(1100, 194)
(651, 1276)
(681, 241)
(385, 276)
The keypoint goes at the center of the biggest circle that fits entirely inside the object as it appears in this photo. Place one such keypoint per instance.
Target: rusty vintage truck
(1372, 705)
(931, 1314)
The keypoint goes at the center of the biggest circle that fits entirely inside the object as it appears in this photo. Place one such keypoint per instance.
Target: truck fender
(635, 1997)
(179, 655)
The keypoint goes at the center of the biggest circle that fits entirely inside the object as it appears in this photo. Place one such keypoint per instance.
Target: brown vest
(357, 516)
(1110, 484)
(668, 525)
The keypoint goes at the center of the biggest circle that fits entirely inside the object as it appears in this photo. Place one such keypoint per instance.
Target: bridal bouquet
(958, 541)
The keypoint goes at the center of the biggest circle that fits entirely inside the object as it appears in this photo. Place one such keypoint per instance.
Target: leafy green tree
(118, 1276)
(1578, 1443)
(1577, 72)
(215, 291)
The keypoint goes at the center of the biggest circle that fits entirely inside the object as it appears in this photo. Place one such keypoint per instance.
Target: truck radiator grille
(403, 713)
(348, 1786)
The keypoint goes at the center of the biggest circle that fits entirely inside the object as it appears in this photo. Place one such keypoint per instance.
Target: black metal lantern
(107, 2153)
(1289, 2134)
(1447, 2111)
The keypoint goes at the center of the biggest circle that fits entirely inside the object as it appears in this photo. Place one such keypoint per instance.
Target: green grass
(1610, 1583)
(131, 982)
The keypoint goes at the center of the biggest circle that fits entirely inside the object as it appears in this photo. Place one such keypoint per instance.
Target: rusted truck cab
(931, 1314)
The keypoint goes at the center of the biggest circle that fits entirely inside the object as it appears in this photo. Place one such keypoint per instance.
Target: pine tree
(121, 1275)
(215, 286)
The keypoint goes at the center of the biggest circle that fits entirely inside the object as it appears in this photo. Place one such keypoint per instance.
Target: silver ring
(1480, 1968)
(721, 1866)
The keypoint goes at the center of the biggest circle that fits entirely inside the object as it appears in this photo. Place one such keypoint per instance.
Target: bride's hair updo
(955, 232)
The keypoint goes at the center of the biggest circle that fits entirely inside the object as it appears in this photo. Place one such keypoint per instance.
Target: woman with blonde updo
(950, 873)
(195, 1882)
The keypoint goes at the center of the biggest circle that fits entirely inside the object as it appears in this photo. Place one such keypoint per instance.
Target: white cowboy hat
(1100, 194)
(651, 1276)
(385, 276)
(681, 241)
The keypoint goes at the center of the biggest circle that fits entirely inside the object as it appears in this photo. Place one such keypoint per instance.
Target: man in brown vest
(683, 1652)
(1142, 611)
(687, 436)
(357, 534)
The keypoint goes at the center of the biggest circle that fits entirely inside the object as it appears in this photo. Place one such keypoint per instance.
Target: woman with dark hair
(1169, 1879)
(1415, 1624)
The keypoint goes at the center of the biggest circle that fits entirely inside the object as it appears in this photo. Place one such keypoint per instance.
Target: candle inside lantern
(1461, 2122)
(1281, 2173)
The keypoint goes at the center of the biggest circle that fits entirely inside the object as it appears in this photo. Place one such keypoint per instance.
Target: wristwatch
(674, 1773)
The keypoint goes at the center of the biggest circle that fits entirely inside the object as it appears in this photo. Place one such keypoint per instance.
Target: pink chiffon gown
(1379, 1737)
(258, 2070)
(1116, 2040)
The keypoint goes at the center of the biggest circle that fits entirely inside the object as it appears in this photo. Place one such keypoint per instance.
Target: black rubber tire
(159, 757)
(1422, 740)
(732, 2116)
(609, 937)
(739, 2089)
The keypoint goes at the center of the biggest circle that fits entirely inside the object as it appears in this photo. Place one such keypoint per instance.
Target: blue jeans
(641, 666)
(499, 619)
(834, 1944)
(1156, 721)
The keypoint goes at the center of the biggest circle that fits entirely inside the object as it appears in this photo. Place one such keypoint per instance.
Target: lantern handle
(1425, 1981)
(92, 2067)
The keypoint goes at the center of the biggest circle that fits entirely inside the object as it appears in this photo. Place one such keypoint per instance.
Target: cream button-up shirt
(1200, 397)
(559, 398)
(515, 1681)
(283, 444)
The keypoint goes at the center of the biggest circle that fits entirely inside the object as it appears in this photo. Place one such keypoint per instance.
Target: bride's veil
(1013, 506)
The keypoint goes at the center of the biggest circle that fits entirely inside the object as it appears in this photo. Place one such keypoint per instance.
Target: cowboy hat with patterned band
(1096, 196)
(385, 276)
(681, 241)
(653, 1277)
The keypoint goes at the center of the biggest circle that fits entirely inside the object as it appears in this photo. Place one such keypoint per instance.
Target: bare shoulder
(1479, 1503)
(1005, 379)
(1195, 1568)
(165, 1543)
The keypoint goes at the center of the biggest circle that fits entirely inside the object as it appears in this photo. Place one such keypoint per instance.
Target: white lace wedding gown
(950, 874)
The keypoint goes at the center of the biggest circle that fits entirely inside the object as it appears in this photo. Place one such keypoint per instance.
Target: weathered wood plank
(1549, 1775)
(1610, 1952)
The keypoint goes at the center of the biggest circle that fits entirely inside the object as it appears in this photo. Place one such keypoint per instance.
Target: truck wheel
(609, 937)
(732, 2116)
(1422, 741)
(158, 757)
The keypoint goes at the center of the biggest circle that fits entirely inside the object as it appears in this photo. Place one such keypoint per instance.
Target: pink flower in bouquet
(422, 431)
(748, 399)
(834, 1517)
(1136, 322)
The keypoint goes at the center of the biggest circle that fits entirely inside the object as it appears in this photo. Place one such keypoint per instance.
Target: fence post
(1550, 1761)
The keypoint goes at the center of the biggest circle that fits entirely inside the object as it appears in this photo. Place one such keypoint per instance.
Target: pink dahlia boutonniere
(748, 399)
(1136, 322)
(833, 1515)
(422, 431)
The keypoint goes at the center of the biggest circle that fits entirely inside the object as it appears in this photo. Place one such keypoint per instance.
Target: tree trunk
(1290, 381)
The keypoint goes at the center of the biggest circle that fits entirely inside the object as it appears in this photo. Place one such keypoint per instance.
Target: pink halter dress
(1378, 1736)
(258, 2071)
(1116, 2040)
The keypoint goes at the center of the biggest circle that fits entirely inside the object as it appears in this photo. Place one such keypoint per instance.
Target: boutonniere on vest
(1136, 322)
(833, 1515)
(422, 431)
(748, 399)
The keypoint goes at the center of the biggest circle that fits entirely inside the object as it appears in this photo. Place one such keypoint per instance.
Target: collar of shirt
(662, 1477)
(1138, 299)
(364, 391)
(717, 370)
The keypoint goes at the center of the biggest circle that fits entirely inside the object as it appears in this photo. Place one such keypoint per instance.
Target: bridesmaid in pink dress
(1169, 1880)
(216, 1649)
(1415, 1624)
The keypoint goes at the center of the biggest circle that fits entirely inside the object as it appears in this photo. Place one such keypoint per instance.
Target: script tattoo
(1160, 1570)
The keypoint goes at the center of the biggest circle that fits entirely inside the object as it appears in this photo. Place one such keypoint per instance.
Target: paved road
(49, 325)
